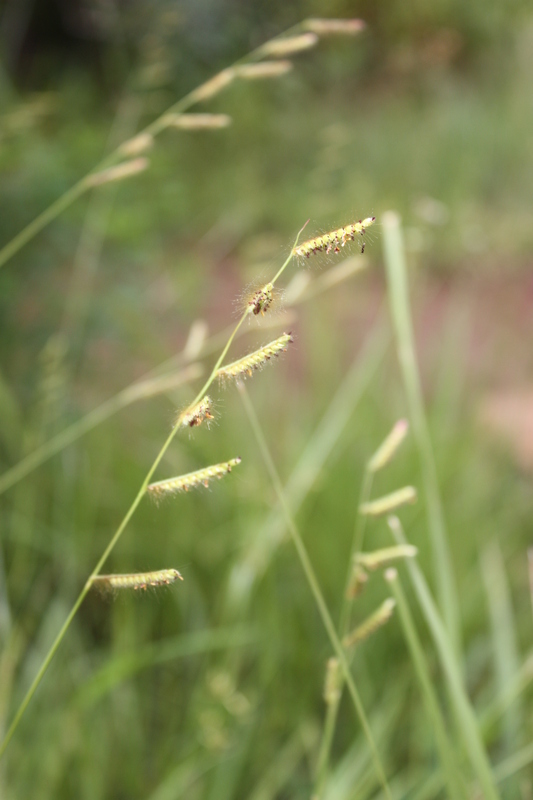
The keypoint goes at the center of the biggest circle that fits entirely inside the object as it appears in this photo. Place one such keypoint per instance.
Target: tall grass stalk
(116, 536)
(314, 586)
(464, 712)
(398, 287)
(447, 756)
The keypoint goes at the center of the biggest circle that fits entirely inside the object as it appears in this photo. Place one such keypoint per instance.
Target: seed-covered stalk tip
(263, 69)
(246, 366)
(358, 581)
(371, 624)
(389, 502)
(213, 86)
(261, 300)
(385, 556)
(193, 417)
(387, 450)
(137, 580)
(334, 240)
(327, 27)
(138, 144)
(183, 483)
(197, 122)
(333, 681)
(287, 45)
(119, 172)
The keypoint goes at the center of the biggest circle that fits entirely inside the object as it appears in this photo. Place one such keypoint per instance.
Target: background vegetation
(214, 688)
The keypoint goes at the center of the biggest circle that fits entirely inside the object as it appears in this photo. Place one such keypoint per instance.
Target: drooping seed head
(138, 144)
(261, 300)
(389, 502)
(327, 27)
(213, 86)
(263, 69)
(287, 45)
(197, 122)
(193, 417)
(245, 367)
(385, 556)
(137, 580)
(387, 450)
(183, 483)
(119, 172)
(334, 240)
(371, 624)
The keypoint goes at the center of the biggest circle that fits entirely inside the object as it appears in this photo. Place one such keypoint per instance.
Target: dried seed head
(387, 450)
(185, 482)
(193, 417)
(288, 45)
(334, 240)
(213, 86)
(333, 681)
(197, 122)
(358, 581)
(385, 556)
(261, 300)
(246, 366)
(118, 173)
(326, 27)
(389, 502)
(371, 624)
(264, 69)
(139, 144)
(138, 580)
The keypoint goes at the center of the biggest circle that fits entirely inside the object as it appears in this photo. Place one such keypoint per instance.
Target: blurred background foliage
(212, 690)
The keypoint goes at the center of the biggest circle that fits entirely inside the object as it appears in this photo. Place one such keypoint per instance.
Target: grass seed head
(328, 27)
(333, 241)
(245, 367)
(118, 173)
(139, 144)
(385, 556)
(213, 86)
(261, 300)
(387, 450)
(371, 624)
(263, 69)
(138, 580)
(333, 681)
(287, 45)
(358, 581)
(198, 122)
(183, 483)
(389, 502)
(193, 417)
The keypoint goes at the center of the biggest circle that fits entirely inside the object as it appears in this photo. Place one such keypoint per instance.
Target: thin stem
(49, 656)
(314, 586)
(401, 313)
(344, 622)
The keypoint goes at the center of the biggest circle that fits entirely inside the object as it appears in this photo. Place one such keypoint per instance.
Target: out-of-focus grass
(190, 693)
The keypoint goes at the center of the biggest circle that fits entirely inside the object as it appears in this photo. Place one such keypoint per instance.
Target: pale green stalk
(84, 184)
(401, 314)
(466, 718)
(456, 785)
(332, 708)
(315, 587)
(57, 641)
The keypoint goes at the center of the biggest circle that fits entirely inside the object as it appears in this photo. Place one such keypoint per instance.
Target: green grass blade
(462, 706)
(401, 314)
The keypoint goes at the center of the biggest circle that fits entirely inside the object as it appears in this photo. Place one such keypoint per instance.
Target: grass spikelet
(118, 173)
(358, 581)
(333, 681)
(201, 412)
(389, 502)
(261, 300)
(328, 27)
(198, 122)
(137, 580)
(139, 144)
(386, 452)
(334, 240)
(185, 482)
(289, 44)
(371, 624)
(385, 556)
(215, 85)
(245, 366)
(264, 69)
